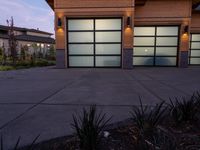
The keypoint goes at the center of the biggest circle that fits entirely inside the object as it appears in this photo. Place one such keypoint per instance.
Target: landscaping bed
(26, 64)
(122, 136)
(166, 126)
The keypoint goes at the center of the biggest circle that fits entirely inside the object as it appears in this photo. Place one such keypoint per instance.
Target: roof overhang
(51, 3)
(140, 2)
(195, 3)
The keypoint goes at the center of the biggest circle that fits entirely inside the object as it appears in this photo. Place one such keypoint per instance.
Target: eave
(140, 2)
(51, 3)
(195, 3)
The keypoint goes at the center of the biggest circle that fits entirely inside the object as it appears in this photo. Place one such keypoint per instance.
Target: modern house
(126, 33)
(27, 37)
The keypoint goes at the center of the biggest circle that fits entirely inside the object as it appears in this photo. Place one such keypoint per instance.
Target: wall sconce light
(128, 21)
(59, 23)
(186, 29)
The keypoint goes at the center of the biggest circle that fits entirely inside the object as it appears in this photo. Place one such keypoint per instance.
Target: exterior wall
(4, 42)
(42, 47)
(98, 8)
(171, 12)
(154, 12)
(38, 34)
(195, 23)
(68, 4)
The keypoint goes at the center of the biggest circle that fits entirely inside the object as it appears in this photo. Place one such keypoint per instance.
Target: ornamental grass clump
(16, 146)
(184, 110)
(147, 118)
(89, 127)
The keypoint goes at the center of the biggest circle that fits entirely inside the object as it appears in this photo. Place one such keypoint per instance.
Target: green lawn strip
(26, 65)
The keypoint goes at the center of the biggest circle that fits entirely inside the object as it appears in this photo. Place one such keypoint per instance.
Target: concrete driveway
(42, 100)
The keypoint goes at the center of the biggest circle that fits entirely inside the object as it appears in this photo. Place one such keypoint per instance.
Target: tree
(52, 53)
(4, 56)
(1, 54)
(35, 48)
(12, 40)
(24, 50)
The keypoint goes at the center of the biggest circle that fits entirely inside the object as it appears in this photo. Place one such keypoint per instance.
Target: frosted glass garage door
(194, 58)
(155, 46)
(94, 42)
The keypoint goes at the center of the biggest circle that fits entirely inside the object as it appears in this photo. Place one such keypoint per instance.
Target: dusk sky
(28, 13)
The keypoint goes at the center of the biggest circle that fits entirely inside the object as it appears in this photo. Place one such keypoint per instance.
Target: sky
(28, 13)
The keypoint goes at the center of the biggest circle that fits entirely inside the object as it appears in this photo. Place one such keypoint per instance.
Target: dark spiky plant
(197, 97)
(89, 128)
(16, 147)
(183, 110)
(147, 118)
(165, 141)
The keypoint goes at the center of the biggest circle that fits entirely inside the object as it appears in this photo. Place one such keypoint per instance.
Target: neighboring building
(126, 33)
(29, 37)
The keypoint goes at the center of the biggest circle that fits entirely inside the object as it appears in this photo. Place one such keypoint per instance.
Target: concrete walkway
(42, 100)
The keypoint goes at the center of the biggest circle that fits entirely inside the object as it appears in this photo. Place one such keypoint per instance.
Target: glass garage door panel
(196, 37)
(108, 61)
(81, 61)
(108, 24)
(94, 42)
(143, 51)
(195, 53)
(144, 41)
(167, 41)
(80, 24)
(108, 49)
(165, 31)
(195, 45)
(166, 51)
(80, 37)
(106, 37)
(195, 61)
(144, 31)
(166, 61)
(194, 57)
(143, 61)
(81, 49)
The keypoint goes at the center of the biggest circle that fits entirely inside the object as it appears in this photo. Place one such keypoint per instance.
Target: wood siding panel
(92, 3)
(195, 23)
(164, 8)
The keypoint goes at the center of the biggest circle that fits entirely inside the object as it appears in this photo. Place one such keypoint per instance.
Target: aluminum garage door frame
(194, 48)
(155, 46)
(94, 56)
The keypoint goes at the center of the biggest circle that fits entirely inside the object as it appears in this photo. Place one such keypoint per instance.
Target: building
(126, 33)
(27, 37)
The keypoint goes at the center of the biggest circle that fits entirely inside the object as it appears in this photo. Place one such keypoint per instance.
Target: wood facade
(142, 13)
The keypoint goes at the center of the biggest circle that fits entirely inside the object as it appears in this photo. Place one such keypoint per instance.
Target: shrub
(183, 111)
(89, 127)
(6, 68)
(41, 63)
(147, 119)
